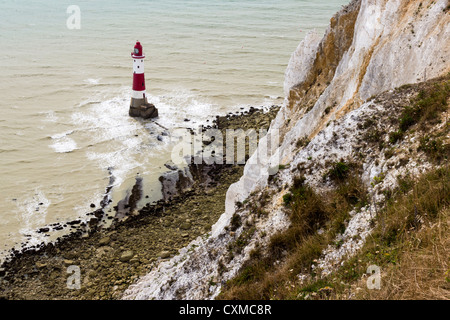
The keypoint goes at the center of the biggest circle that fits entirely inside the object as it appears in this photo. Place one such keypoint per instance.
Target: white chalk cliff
(370, 47)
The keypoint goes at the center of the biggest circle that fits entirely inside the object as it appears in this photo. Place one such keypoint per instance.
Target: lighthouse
(139, 107)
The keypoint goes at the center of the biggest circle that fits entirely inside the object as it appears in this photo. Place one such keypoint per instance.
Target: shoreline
(110, 259)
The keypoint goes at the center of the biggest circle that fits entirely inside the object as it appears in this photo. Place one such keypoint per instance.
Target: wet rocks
(145, 111)
(176, 182)
(93, 222)
(110, 260)
(99, 213)
(43, 230)
(74, 222)
(171, 166)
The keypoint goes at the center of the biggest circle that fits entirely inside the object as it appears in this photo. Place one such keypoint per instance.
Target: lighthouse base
(141, 108)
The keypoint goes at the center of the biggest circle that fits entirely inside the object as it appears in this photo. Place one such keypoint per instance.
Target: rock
(160, 138)
(176, 182)
(104, 241)
(185, 226)
(126, 256)
(146, 111)
(93, 222)
(164, 254)
(68, 262)
(170, 165)
(99, 213)
(102, 251)
(74, 222)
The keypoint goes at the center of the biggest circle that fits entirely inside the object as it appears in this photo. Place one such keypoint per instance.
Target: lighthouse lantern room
(139, 107)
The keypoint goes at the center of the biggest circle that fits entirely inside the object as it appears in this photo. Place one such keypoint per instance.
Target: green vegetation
(302, 142)
(425, 111)
(301, 244)
(409, 243)
(235, 222)
(377, 179)
(395, 136)
(339, 171)
(287, 198)
(410, 235)
(434, 147)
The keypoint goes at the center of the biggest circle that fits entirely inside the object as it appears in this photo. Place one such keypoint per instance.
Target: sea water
(65, 133)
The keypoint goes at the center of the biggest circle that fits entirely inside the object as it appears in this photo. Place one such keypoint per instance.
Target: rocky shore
(110, 259)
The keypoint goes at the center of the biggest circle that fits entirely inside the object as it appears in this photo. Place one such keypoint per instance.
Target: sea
(65, 84)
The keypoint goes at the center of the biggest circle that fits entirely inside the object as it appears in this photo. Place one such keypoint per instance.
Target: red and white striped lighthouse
(139, 107)
(138, 94)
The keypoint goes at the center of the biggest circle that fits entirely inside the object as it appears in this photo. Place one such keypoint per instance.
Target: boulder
(93, 222)
(126, 256)
(104, 241)
(170, 165)
(164, 254)
(185, 226)
(145, 111)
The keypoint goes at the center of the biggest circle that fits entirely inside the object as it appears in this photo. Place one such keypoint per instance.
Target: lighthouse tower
(139, 107)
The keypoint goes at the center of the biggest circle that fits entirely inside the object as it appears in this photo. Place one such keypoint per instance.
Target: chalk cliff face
(370, 47)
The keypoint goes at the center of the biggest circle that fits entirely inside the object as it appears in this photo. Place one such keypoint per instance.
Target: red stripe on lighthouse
(138, 82)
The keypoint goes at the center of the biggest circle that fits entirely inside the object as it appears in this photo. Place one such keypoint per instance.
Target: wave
(62, 134)
(92, 81)
(32, 214)
(64, 145)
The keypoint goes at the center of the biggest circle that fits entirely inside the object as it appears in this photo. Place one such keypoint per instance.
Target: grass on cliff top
(426, 109)
(410, 243)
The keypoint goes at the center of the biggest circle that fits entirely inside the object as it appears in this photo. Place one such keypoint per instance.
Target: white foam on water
(115, 136)
(92, 81)
(118, 141)
(83, 206)
(32, 215)
(109, 119)
(180, 104)
(62, 134)
(64, 145)
(121, 162)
